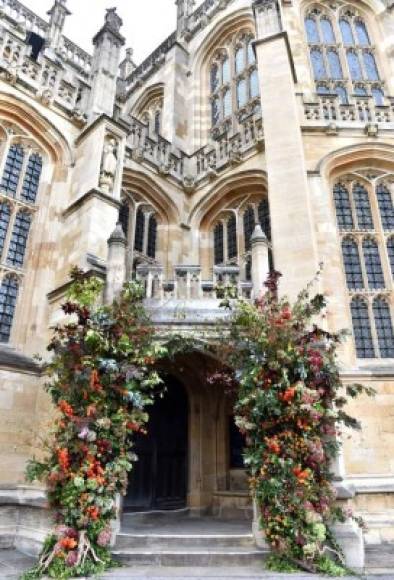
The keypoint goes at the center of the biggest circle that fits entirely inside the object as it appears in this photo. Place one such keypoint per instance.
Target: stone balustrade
(328, 108)
(48, 80)
(188, 283)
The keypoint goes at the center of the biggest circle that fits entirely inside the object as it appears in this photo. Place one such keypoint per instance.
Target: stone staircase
(187, 542)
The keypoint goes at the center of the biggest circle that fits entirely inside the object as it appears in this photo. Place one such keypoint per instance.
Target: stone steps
(171, 541)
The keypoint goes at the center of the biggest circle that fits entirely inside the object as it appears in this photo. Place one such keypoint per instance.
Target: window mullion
(11, 224)
(5, 149)
(28, 152)
(374, 332)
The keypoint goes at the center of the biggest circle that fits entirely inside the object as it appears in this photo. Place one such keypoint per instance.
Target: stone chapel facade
(259, 133)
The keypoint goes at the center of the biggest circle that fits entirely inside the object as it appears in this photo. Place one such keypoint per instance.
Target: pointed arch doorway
(158, 480)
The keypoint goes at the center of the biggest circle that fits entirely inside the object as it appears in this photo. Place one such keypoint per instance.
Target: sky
(146, 23)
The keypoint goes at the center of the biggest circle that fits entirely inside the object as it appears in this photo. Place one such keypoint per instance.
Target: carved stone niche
(109, 164)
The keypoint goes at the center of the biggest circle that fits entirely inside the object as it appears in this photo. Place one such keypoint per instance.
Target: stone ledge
(22, 496)
(11, 359)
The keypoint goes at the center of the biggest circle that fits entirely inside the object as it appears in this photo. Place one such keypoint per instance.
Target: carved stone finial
(113, 20)
(184, 10)
(118, 236)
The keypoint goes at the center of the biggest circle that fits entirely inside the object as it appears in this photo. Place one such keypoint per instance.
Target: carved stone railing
(188, 284)
(48, 81)
(328, 108)
(207, 162)
(76, 57)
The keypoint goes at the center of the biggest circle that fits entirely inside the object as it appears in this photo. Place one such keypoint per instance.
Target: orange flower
(93, 512)
(91, 411)
(288, 395)
(274, 447)
(68, 543)
(301, 475)
(95, 384)
(63, 458)
(133, 426)
(66, 408)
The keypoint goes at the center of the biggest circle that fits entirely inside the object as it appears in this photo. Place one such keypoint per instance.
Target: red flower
(66, 408)
(288, 395)
(93, 512)
(68, 543)
(63, 458)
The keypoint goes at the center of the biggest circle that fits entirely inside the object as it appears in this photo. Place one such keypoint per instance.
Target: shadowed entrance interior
(159, 477)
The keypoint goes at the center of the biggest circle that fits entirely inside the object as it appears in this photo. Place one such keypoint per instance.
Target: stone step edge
(223, 552)
(123, 535)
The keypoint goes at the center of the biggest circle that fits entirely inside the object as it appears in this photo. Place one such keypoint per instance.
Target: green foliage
(102, 381)
(290, 404)
(277, 563)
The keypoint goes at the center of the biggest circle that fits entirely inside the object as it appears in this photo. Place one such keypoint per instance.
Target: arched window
(32, 177)
(218, 243)
(124, 217)
(352, 264)
(232, 249)
(363, 207)
(19, 237)
(158, 122)
(342, 49)
(8, 297)
(139, 231)
(5, 215)
(362, 328)
(384, 327)
(373, 264)
(386, 206)
(249, 224)
(264, 217)
(234, 81)
(12, 170)
(152, 237)
(343, 207)
(390, 251)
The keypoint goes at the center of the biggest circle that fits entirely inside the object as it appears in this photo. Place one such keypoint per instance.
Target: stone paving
(13, 563)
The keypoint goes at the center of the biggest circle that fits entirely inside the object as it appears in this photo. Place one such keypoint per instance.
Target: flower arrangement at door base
(102, 381)
(289, 405)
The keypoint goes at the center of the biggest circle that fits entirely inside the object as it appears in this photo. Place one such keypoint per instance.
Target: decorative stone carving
(46, 96)
(108, 165)
(113, 21)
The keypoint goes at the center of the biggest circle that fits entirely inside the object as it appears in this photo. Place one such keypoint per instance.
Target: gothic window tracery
(8, 296)
(342, 54)
(140, 226)
(365, 218)
(151, 114)
(234, 85)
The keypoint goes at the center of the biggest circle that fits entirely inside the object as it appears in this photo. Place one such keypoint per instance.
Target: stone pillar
(294, 248)
(260, 260)
(116, 264)
(57, 15)
(105, 66)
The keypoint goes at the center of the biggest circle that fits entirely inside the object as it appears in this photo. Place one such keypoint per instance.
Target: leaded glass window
(356, 73)
(18, 243)
(249, 224)
(251, 54)
(8, 297)
(312, 31)
(254, 84)
(386, 207)
(240, 59)
(242, 95)
(384, 327)
(158, 122)
(232, 249)
(5, 215)
(352, 264)
(362, 328)
(378, 96)
(12, 169)
(334, 64)
(215, 77)
(319, 67)
(32, 177)
(362, 33)
(343, 207)
(226, 74)
(370, 67)
(327, 31)
(139, 231)
(152, 236)
(342, 94)
(363, 207)
(264, 217)
(124, 217)
(219, 243)
(373, 264)
(227, 104)
(390, 251)
(346, 31)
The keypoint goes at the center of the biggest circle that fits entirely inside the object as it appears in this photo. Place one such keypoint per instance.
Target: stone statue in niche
(108, 165)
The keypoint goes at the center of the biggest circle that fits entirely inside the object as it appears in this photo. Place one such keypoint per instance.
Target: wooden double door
(158, 480)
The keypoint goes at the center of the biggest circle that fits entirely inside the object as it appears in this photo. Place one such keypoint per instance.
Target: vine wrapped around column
(101, 383)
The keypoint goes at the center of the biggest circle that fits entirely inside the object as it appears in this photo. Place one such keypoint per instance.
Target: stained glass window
(373, 264)
(240, 59)
(363, 207)
(12, 169)
(384, 327)
(312, 30)
(232, 249)
(352, 263)
(390, 251)
(334, 64)
(219, 243)
(343, 207)
(152, 237)
(370, 66)
(124, 217)
(362, 33)
(319, 68)
(327, 31)
(354, 65)
(249, 223)
(362, 328)
(242, 95)
(8, 297)
(346, 31)
(32, 177)
(264, 217)
(139, 231)
(5, 215)
(18, 243)
(386, 207)
(215, 79)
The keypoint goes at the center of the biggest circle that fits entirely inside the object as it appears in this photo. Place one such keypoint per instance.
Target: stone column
(105, 66)
(116, 264)
(57, 15)
(291, 217)
(260, 260)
